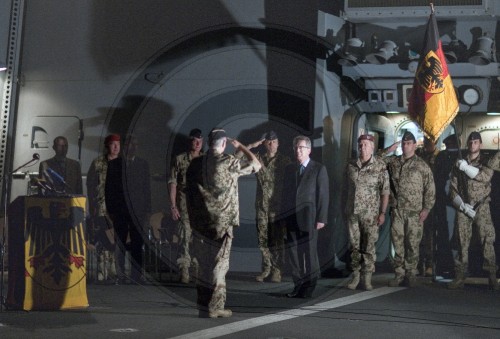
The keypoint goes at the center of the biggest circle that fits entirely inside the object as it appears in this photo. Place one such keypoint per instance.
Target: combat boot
(367, 281)
(353, 283)
(185, 275)
(225, 313)
(398, 279)
(276, 277)
(428, 272)
(493, 281)
(263, 275)
(458, 282)
(411, 280)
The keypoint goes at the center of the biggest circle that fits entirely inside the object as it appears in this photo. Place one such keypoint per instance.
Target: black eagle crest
(430, 74)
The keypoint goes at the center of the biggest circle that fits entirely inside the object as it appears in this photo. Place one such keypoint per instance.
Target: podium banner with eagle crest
(433, 101)
(53, 255)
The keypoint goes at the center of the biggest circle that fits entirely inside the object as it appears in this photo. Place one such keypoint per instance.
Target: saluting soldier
(413, 194)
(271, 235)
(367, 182)
(470, 192)
(213, 212)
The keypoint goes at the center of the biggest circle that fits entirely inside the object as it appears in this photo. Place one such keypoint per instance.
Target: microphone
(56, 175)
(36, 156)
(42, 184)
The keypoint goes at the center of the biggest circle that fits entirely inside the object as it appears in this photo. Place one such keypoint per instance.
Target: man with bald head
(68, 169)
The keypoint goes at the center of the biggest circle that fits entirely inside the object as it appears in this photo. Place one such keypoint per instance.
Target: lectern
(47, 253)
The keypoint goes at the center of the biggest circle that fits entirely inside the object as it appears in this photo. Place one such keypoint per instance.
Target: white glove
(469, 170)
(458, 202)
(466, 208)
(469, 211)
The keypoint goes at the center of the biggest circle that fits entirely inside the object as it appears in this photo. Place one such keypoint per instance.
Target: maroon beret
(366, 137)
(110, 138)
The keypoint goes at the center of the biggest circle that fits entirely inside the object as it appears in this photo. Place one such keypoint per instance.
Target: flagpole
(462, 181)
(432, 7)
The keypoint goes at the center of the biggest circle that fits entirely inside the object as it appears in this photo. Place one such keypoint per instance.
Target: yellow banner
(440, 110)
(55, 253)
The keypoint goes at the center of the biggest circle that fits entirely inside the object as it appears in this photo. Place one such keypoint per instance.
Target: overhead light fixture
(454, 50)
(470, 95)
(385, 52)
(3, 66)
(351, 52)
(493, 113)
(483, 55)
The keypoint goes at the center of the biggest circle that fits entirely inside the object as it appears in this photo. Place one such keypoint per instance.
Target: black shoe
(296, 293)
(121, 281)
(307, 292)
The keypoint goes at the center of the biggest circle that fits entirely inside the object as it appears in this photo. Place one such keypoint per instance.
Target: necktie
(301, 170)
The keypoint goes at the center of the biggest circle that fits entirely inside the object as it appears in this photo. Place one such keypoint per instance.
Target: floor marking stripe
(288, 314)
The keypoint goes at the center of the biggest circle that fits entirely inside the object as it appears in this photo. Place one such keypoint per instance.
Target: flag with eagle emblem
(433, 102)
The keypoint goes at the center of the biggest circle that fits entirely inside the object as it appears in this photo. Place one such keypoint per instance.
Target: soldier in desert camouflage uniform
(367, 183)
(177, 192)
(470, 192)
(428, 153)
(103, 227)
(267, 204)
(494, 162)
(412, 197)
(213, 212)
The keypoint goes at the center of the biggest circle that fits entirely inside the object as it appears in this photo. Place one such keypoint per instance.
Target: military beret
(450, 139)
(195, 133)
(475, 136)
(271, 135)
(366, 137)
(111, 138)
(409, 136)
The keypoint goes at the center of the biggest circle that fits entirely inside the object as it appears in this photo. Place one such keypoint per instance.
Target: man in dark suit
(305, 211)
(62, 167)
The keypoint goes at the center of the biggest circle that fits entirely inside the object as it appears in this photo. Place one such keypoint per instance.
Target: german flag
(433, 102)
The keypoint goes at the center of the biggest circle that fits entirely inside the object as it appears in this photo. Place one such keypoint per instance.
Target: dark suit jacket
(128, 187)
(305, 201)
(70, 171)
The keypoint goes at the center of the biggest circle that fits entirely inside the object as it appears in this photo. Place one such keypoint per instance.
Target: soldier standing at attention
(213, 212)
(470, 192)
(271, 235)
(102, 226)
(412, 197)
(367, 182)
(428, 153)
(177, 191)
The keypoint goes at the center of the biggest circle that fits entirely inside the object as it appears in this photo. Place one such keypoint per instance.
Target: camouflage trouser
(406, 234)
(106, 269)
(213, 257)
(185, 239)
(271, 238)
(427, 254)
(483, 225)
(363, 235)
